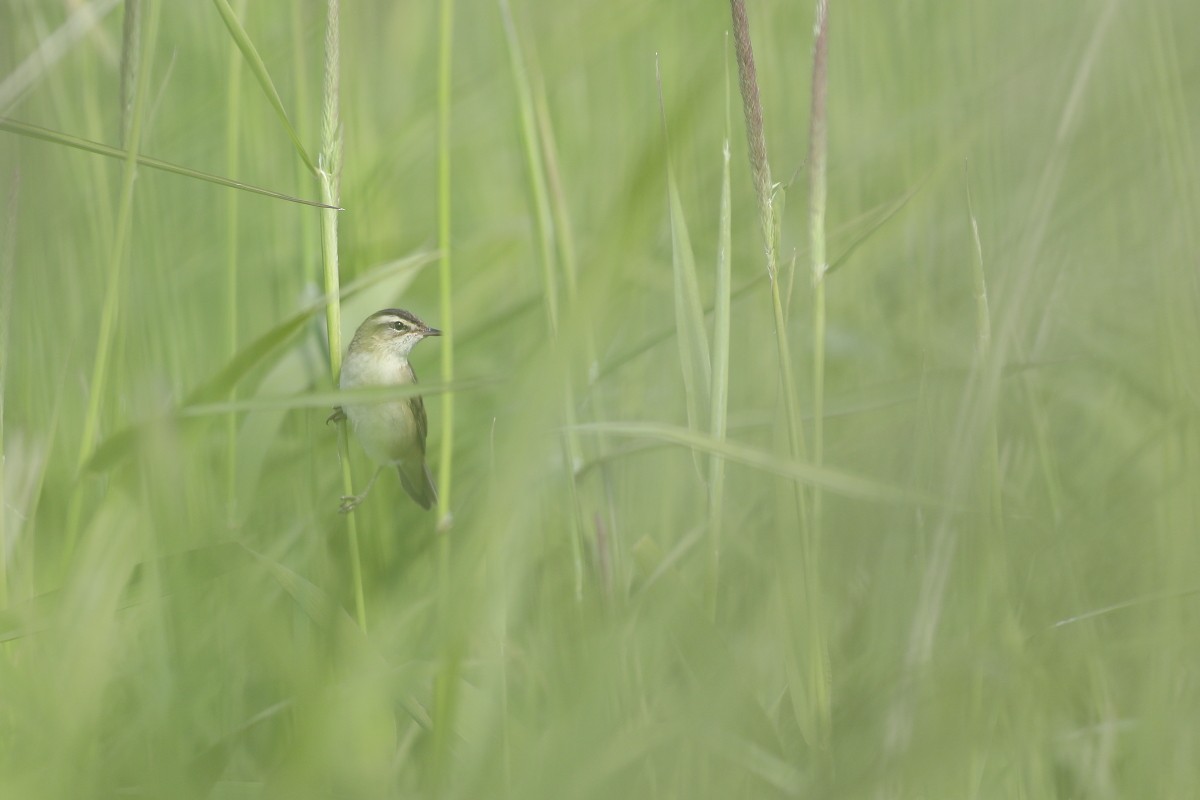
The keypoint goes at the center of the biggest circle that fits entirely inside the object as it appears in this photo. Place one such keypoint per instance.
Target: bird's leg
(351, 501)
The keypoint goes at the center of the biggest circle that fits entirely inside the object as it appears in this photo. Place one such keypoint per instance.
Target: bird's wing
(418, 411)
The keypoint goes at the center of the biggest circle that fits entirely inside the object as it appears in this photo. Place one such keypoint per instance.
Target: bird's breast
(388, 430)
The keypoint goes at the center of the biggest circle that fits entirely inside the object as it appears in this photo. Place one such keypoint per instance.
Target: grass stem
(819, 676)
(813, 711)
(115, 274)
(816, 238)
(328, 175)
(233, 120)
(446, 680)
(719, 393)
(8, 257)
(445, 273)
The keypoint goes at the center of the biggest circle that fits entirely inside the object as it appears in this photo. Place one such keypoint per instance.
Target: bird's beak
(432, 332)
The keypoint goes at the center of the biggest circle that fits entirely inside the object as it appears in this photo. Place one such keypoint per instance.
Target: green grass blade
(130, 62)
(886, 215)
(720, 360)
(34, 132)
(114, 289)
(539, 188)
(233, 125)
(533, 161)
(446, 683)
(690, 333)
(819, 683)
(330, 399)
(8, 226)
(254, 60)
(329, 178)
(829, 479)
(445, 268)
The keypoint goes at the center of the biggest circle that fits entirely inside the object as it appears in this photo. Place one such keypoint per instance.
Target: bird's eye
(399, 327)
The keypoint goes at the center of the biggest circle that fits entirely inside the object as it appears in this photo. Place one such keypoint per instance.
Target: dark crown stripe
(399, 313)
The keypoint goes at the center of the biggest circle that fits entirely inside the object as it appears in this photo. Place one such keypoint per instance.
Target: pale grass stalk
(445, 273)
(131, 30)
(533, 160)
(816, 238)
(8, 257)
(447, 678)
(994, 531)
(813, 712)
(764, 190)
(719, 393)
(233, 120)
(328, 176)
(694, 358)
(818, 146)
(983, 346)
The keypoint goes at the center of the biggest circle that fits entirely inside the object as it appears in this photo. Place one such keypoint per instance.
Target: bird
(391, 432)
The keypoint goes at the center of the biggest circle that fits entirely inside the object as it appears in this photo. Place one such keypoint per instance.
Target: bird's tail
(418, 482)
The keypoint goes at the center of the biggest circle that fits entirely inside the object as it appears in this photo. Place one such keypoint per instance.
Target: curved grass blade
(254, 60)
(55, 137)
(836, 481)
(885, 216)
(537, 174)
(690, 334)
(329, 399)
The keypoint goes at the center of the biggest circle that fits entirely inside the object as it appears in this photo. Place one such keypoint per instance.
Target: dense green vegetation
(982, 584)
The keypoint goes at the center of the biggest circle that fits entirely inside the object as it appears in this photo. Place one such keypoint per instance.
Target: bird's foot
(351, 502)
(337, 416)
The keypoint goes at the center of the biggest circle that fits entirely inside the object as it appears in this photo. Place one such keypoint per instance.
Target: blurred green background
(177, 619)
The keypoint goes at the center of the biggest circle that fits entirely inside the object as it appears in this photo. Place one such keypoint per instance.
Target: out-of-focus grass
(1008, 612)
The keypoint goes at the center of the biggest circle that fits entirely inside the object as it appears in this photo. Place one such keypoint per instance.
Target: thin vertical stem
(115, 278)
(815, 711)
(131, 39)
(445, 283)
(446, 682)
(537, 174)
(8, 257)
(983, 347)
(817, 148)
(232, 164)
(116, 259)
(328, 174)
(761, 172)
(720, 361)
(816, 236)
